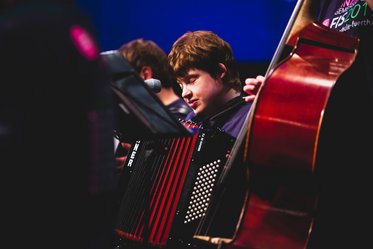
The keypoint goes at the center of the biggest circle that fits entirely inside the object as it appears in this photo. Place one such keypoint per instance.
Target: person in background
(58, 171)
(150, 61)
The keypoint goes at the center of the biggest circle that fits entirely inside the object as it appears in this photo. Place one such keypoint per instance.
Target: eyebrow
(189, 76)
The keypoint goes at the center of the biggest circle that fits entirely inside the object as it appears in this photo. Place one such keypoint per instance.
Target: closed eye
(187, 80)
(190, 79)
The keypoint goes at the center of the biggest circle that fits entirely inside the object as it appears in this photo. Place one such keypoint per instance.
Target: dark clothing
(229, 118)
(230, 194)
(345, 145)
(179, 108)
(58, 171)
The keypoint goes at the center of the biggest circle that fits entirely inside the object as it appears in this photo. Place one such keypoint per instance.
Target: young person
(206, 71)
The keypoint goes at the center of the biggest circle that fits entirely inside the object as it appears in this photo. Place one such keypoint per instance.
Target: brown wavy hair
(204, 50)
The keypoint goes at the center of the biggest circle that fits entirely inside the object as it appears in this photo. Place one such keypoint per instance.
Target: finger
(260, 78)
(250, 81)
(249, 98)
(250, 87)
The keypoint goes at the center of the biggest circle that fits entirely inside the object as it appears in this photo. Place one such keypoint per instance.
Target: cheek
(202, 93)
(208, 87)
(213, 90)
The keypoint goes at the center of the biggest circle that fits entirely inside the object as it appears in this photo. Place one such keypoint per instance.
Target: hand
(121, 159)
(252, 86)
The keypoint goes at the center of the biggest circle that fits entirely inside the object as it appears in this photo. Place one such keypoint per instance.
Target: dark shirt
(229, 118)
(345, 145)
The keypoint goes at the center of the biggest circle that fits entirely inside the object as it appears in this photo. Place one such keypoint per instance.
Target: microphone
(154, 84)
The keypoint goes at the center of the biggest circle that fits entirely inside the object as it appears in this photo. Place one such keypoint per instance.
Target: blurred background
(253, 28)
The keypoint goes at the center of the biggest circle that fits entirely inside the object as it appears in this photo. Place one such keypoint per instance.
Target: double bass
(280, 139)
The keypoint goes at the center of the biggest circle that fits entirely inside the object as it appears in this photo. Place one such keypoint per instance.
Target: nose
(186, 93)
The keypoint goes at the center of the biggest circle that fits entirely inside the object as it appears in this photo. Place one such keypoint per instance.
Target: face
(203, 93)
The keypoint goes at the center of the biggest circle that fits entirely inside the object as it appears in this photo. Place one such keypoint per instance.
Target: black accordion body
(167, 184)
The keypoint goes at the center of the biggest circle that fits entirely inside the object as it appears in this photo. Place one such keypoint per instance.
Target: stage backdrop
(253, 28)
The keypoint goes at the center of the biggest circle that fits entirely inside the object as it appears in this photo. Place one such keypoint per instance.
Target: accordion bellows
(169, 183)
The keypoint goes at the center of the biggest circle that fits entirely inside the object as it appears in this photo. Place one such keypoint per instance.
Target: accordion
(167, 184)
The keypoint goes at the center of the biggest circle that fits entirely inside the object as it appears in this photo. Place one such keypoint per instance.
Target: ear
(223, 70)
(146, 73)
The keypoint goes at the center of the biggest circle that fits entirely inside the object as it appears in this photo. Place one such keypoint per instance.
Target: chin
(201, 113)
